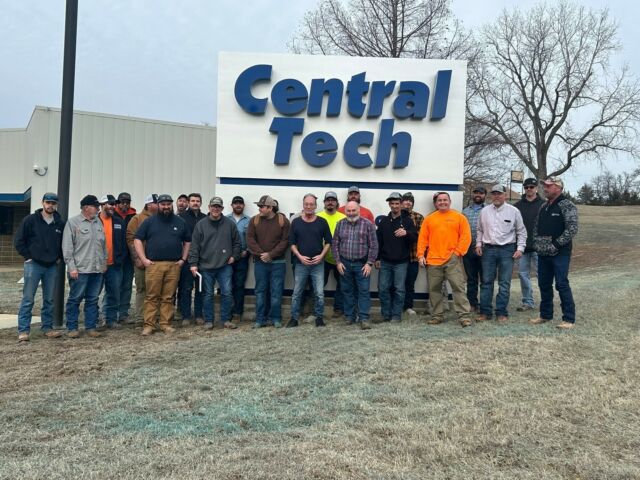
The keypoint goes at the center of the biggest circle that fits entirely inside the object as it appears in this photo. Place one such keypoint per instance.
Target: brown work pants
(161, 281)
(140, 292)
(453, 271)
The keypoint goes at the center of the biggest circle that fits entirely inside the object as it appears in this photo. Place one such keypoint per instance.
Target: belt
(490, 245)
(357, 260)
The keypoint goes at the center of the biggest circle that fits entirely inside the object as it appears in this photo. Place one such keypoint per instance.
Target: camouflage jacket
(555, 227)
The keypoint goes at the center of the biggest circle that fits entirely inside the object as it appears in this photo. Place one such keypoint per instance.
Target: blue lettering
(379, 91)
(441, 96)
(351, 152)
(412, 100)
(289, 96)
(356, 88)
(285, 129)
(401, 141)
(319, 149)
(242, 89)
(334, 88)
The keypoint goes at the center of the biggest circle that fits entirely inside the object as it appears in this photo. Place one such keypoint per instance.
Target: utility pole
(66, 130)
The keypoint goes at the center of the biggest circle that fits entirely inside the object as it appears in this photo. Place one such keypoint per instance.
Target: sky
(158, 58)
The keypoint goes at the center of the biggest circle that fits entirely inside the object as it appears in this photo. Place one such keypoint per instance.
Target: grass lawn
(408, 401)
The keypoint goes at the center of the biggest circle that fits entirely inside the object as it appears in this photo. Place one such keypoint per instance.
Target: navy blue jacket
(38, 240)
(119, 233)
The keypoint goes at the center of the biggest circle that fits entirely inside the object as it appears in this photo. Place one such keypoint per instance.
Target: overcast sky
(157, 58)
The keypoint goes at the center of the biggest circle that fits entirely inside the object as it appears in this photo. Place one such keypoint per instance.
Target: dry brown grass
(406, 401)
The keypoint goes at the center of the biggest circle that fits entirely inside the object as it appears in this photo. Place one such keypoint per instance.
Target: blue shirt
(472, 212)
(242, 225)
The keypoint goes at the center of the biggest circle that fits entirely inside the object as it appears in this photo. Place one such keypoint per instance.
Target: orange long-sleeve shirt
(442, 235)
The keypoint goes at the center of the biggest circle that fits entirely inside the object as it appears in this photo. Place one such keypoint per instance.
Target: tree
(401, 28)
(545, 87)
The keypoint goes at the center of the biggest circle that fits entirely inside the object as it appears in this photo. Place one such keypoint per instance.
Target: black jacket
(38, 240)
(119, 235)
(394, 249)
(555, 227)
(191, 218)
(529, 211)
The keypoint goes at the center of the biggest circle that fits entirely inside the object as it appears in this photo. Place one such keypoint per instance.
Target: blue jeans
(269, 286)
(112, 282)
(125, 289)
(33, 274)
(355, 286)
(87, 288)
(238, 279)
(555, 267)
(473, 268)
(410, 284)
(316, 274)
(337, 299)
(209, 277)
(496, 259)
(185, 287)
(392, 275)
(528, 266)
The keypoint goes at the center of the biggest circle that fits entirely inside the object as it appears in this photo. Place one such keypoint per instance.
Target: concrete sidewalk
(11, 321)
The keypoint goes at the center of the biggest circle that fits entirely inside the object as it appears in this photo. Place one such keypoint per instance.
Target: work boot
(538, 321)
(53, 334)
(482, 318)
(292, 323)
(365, 325)
(565, 325)
(168, 329)
(73, 334)
(186, 323)
(199, 321)
(208, 326)
(93, 333)
(320, 322)
(465, 322)
(434, 321)
(230, 325)
(502, 319)
(146, 331)
(23, 337)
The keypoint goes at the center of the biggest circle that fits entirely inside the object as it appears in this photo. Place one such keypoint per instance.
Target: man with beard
(332, 216)
(396, 233)
(85, 253)
(39, 241)
(408, 201)
(214, 248)
(355, 248)
(126, 213)
(310, 240)
(444, 238)
(241, 266)
(115, 237)
(472, 262)
(353, 195)
(167, 240)
(191, 216)
(182, 203)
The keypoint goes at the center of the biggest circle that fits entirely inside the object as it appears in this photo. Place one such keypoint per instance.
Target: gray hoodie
(213, 243)
(84, 246)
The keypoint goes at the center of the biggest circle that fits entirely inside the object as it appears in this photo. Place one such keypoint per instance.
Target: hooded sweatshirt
(213, 242)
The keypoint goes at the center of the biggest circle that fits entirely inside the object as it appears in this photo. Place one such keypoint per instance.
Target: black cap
(408, 196)
(164, 197)
(394, 196)
(182, 195)
(124, 196)
(237, 199)
(89, 200)
(480, 189)
(50, 197)
(530, 181)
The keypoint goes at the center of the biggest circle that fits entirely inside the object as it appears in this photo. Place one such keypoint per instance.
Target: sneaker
(93, 333)
(292, 323)
(320, 322)
(52, 334)
(524, 308)
(502, 319)
(565, 325)
(199, 321)
(434, 321)
(365, 326)
(208, 325)
(277, 324)
(465, 322)
(23, 337)
(482, 318)
(73, 334)
(168, 330)
(410, 311)
(146, 331)
(230, 325)
(538, 321)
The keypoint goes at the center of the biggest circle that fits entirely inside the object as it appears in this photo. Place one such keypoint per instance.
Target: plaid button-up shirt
(355, 241)
(417, 221)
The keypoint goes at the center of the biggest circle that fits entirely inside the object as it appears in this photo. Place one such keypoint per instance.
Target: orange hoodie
(442, 235)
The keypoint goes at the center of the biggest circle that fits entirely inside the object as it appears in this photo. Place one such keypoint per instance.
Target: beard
(353, 219)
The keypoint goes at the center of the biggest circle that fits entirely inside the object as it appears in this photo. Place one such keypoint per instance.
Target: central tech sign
(291, 97)
(340, 118)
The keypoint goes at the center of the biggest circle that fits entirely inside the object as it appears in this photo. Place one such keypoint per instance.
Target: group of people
(169, 252)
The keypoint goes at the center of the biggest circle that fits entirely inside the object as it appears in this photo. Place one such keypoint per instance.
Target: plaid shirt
(417, 221)
(472, 212)
(355, 241)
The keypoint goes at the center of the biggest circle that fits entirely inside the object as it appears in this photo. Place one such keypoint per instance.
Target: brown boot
(146, 331)
(23, 337)
(53, 334)
(482, 318)
(73, 334)
(93, 334)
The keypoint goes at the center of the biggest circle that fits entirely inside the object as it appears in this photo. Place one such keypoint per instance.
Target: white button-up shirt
(501, 226)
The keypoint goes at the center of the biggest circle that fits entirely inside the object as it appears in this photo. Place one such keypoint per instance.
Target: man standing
(553, 234)
(126, 213)
(355, 248)
(215, 247)
(444, 238)
(85, 253)
(167, 240)
(396, 234)
(472, 262)
(529, 206)
(150, 208)
(191, 216)
(241, 266)
(115, 237)
(182, 203)
(332, 216)
(353, 195)
(412, 268)
(267, 240)
(39, 241)
(501, 239)
(310, 240)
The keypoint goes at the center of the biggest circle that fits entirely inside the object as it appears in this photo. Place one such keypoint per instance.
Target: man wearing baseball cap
(126, 212)
(191, 216)
(240, 267)
(553, 234)
(353, 195)
(39, 241)
(472, 262)
(85, 253)
(332, 216)
(150, 208)
(408, 201)
(166, 240)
